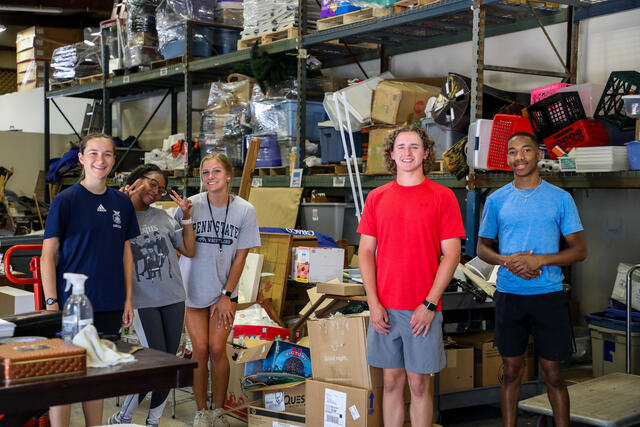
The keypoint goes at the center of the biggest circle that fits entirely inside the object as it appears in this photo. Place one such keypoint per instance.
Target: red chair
(34, 266)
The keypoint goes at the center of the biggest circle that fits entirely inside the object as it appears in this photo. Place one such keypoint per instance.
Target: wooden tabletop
(611, 400)
(152, 370)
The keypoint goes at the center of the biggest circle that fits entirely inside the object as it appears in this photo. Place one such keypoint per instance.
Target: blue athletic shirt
(535, 223)
(92, 229)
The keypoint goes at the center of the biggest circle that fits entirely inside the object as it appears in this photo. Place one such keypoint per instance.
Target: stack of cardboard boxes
(34, 46)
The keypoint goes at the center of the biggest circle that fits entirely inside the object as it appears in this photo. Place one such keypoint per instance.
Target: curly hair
(427, 143)
(143, 170)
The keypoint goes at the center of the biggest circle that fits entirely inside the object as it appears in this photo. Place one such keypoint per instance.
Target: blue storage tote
(331, 144)
(315, 114)
(225, 40)
(199, 48)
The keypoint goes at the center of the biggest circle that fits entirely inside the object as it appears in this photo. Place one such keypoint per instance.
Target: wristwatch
(430, 306)
(226, 293)
(51, 301)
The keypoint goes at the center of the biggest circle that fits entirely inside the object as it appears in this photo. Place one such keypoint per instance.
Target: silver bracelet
(186, 221)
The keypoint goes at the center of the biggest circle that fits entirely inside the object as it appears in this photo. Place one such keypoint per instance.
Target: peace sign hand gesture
(186, 205)
(134, 188)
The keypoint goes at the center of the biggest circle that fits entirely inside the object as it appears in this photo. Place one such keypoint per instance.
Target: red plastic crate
(583, 133)
(543, 91)
(504, 125)
(267, 333)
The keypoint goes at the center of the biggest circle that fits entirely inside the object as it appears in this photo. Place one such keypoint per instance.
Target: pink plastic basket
(543, 91)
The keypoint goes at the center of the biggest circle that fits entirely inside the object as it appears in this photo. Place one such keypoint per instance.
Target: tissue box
(41, 359)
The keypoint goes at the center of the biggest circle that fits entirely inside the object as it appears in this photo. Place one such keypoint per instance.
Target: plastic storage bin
(225, 40)
(504, 125)
(478, 141)
(589, 95)
(198, 48)
(229, 145)
(543, 92)
(325, 218)
(611, 105)
(336, 7)
(555, 113)
(315, 114)
(269, 151)
(583, 133)
(608, 347)
(443, 137)
(633, 152)
(331, 148)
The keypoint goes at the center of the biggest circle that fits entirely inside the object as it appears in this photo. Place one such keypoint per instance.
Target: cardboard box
(15, 301)
(339, 405)
(276, 356)
(312, 265)
(458, 374)
(488, 369)
(375, 153)
(619, 292)
(33, 53)
(339, 352)
(26, 38)
(340, 288)
(29, 76)
(285, 397)
(30, 65)
(397, 102)
(261, 417)
(236, 396)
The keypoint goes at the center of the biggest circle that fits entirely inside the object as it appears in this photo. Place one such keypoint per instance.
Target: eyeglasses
(155, 185)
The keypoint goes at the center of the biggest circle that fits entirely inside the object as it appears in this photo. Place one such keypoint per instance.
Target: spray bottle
(78, 311)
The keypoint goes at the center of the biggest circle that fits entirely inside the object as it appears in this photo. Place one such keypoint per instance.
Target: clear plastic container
(78, 311)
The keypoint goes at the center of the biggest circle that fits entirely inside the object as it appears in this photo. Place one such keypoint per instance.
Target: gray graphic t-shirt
(156, 274)
(206, 273)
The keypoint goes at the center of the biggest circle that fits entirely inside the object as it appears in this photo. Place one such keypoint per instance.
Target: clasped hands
(523, 264)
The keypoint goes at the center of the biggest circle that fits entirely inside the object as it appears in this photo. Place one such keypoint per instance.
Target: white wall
(24, 152)
(25, 111)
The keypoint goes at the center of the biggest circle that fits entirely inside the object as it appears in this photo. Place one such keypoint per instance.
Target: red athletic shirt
(409, 223)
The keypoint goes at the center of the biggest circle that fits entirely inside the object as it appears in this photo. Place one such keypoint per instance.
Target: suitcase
(43, 359)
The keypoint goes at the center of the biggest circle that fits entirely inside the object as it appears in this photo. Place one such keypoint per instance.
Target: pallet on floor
(403, 5)
(272, 171)
(287, 33)
(351, 17)
(161, 63)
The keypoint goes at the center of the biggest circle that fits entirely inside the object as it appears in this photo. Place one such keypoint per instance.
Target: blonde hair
(226, 165)
(427, 143)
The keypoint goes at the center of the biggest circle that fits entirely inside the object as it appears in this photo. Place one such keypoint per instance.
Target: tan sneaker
(219, 420)
(203, 418)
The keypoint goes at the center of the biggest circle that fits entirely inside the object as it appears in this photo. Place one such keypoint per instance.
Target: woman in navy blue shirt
(88, 231)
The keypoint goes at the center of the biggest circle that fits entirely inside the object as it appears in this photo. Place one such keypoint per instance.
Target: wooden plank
(608, 400)
(287, 33)
(90, 79)
(276, 248)
(351, 17)
(404, 5)
(161, 63)
(249, 166)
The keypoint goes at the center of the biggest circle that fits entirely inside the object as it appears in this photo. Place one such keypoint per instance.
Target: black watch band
(430, 306)
(227, 293)
(51, 301)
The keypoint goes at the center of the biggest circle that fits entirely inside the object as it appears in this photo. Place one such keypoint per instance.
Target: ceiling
(67, 14)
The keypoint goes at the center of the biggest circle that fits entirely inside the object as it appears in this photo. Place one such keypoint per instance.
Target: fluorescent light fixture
(2, 28)
(36, 9)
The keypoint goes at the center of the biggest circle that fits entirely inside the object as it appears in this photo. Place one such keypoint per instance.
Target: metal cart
(611, 400)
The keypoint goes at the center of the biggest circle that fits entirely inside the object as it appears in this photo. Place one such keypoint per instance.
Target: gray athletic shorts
(401, 349)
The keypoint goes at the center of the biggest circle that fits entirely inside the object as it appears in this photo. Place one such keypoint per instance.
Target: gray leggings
(158, 328)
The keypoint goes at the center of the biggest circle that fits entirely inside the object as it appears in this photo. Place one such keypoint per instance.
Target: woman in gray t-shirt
(226, 228)
(158, 290)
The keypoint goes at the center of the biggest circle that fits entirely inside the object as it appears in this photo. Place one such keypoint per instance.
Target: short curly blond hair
(390, 164)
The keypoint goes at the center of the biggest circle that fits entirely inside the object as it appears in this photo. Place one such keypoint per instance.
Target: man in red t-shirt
(406, 226)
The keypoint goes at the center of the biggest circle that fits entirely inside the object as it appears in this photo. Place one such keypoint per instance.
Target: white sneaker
(117, 418)
(203, 418)
(219, 420)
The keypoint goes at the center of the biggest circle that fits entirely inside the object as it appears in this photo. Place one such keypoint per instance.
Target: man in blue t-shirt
(528, 218)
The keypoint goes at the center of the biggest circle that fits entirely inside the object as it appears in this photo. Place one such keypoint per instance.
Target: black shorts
(544, 316)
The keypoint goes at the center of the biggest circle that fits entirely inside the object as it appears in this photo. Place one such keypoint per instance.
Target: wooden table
(152, 370)
(611, 400)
